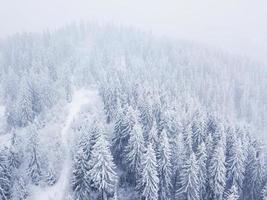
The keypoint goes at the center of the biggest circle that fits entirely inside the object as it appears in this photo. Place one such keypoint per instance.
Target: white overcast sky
(238, 26)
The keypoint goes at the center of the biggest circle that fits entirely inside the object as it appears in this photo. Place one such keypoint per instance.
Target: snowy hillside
(59, 190)
(92, 112)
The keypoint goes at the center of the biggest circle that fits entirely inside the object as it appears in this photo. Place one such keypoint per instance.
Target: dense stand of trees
(169, 127)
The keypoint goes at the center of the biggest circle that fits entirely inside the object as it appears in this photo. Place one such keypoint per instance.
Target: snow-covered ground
(59, 190)
(4, 138)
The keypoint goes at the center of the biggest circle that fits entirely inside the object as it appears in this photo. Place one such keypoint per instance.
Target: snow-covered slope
(59, 190)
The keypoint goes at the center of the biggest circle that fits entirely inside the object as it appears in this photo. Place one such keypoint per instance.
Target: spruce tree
(34, 166)
(102, 168)
(254, 173)
(264, 192)
(198, 130)
(165, 167)
(80, 178)
(189, 180)
(5, 176)
(202, 166)
(148, 184)
(217, 172)
(235, 164)
(25, 103)
(123, 127)
(134, 151)
(232, 194)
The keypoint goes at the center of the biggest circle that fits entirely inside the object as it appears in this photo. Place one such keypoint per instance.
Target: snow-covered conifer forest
(99, 112)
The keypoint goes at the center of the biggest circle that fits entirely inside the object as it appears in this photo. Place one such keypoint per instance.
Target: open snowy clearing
(59, 190)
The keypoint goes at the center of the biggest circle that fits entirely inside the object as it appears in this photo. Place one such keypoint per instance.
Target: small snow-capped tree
(198, 129)
(187, 134)
(50, 177)
(153, 137)
(68, 87)
(102, 168)
(134, 151)
(232, 194)
(202, 166)
(146, 118)
(189, 180)
(178, 155)
(254, 173)
(34, 166)
(148, 184)
(264, 192)
(122, 129)
(165, 167)
(80, 177)
(157, 111)
(217, 172)
(235, 164)
(5, 176)
(19, 189)
(209, 145)
(25, 103)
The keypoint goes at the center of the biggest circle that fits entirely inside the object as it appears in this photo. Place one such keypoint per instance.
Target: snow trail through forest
(59, 190)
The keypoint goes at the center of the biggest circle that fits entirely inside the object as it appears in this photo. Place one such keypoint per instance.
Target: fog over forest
(123, 103)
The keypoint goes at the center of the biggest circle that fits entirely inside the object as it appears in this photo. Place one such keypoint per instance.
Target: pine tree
(178, 156)
(187, 134)
(254, 173)
(34, 165)
(134, 151)
(102, 169)
(235, 164)
(5, 176)
(148, 184)
(189, 180)
(80, 177)
(153, 137)
(25, 103)
(146, 118)
(202, 165)
(232, 194)
(217, 172)
(122, 130)
(165, 167)
(264, 192)
(198, 130)
(19, 189)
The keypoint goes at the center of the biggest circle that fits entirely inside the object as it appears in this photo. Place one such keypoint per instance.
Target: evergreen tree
(254, 173)
(148, 184)
(134, 151)
(178, 156)
(102, 169)
(5, 176)
(25, 103)
(232, 194)
(217, 172)
(165, 167)
(34, 165)
(122, 129)
(189, 180)
(264, 192)
(235, 164)
(80, 177)
(202, 166)
(198, 130)
(146, 118)
(187, 134)
(153, 137)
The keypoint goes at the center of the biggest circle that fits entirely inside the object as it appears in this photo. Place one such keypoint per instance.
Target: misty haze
(133, 100)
